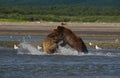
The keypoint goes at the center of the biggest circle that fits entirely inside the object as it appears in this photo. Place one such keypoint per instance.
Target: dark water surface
(21, 38)
(95, 64)
(39, 38)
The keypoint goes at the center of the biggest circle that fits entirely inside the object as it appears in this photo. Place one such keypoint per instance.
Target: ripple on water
(68, 63)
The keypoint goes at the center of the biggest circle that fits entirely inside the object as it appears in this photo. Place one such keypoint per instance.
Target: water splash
(27, 48)
(67, 51)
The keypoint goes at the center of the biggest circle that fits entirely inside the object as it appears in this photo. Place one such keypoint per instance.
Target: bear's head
(56, 35)
(60, 29)
(64, 31)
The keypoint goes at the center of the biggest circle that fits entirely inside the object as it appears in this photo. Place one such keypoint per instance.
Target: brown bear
(69, 38)
(72, 39)
(50, 44)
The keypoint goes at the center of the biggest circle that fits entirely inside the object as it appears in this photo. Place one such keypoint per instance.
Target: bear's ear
(60, 28)
(54, 30)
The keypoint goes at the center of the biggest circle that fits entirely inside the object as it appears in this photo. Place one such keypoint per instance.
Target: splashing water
(67, 51)
(27, 48)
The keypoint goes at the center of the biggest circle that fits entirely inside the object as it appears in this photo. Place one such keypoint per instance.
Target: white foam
(27, 48)
(67, 51)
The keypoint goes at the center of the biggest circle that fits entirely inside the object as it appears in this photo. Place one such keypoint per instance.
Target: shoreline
(93, 30)
(90, 31)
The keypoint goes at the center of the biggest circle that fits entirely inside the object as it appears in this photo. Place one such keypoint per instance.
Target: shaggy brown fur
(72, 39)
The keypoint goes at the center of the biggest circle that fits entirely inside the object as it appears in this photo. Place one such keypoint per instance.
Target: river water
(29, 62)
